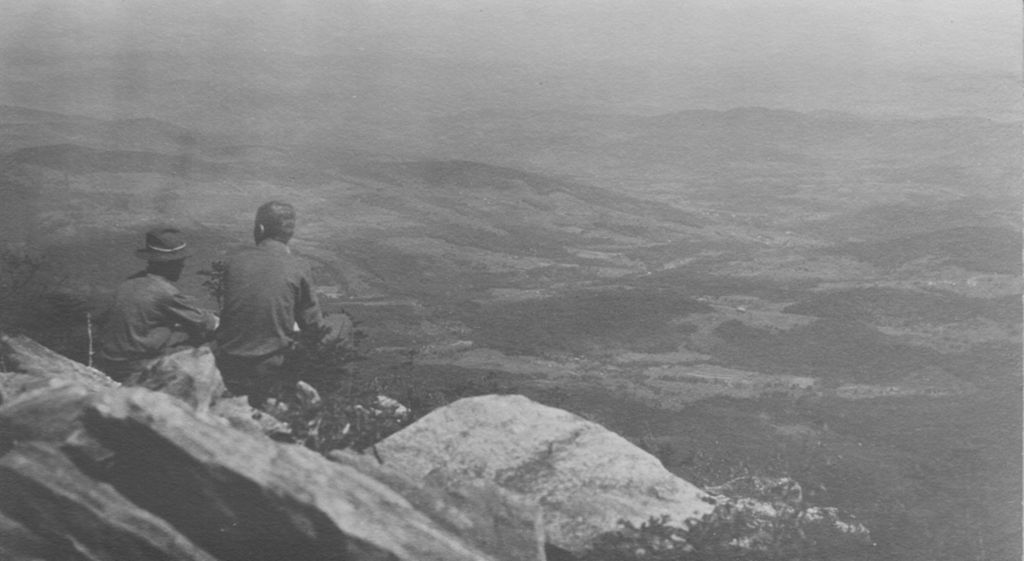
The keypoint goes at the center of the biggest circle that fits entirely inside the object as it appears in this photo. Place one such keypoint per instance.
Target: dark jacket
(267, 293)
(151, 317)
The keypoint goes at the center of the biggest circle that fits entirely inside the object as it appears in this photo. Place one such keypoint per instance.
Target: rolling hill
(663, 271)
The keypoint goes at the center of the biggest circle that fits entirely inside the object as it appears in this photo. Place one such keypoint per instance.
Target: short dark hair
(277, 220)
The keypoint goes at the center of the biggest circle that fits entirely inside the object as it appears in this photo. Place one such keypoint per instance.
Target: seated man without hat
(150, 317)
(268, 300)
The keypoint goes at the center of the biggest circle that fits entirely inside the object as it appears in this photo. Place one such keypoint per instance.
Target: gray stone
(242, 497)
(20, 354)
(239, 415)
(13, 384)
(585, 477)
(43, 491)
(18, 543)
(191, 375)
(46, 414)
(499, 522)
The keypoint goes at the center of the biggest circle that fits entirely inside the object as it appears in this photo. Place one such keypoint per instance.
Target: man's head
(274, 220)
(165, 252)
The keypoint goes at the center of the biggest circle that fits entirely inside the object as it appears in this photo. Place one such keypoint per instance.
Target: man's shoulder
(245, 255)
(148, 284)
(295, 265)
(236, 255)
(261, 255)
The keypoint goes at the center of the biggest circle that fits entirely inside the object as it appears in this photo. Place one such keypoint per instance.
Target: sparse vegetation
(360, 408)
(21, 288)
(214, 283)
(727, 534)
(585, 320)
(33, 301)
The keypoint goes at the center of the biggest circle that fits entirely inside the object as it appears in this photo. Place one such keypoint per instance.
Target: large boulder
(585, 478)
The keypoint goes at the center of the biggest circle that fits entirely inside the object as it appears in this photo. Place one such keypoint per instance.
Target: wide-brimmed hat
(164, 244)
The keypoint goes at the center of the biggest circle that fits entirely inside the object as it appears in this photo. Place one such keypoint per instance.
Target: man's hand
(337, 328)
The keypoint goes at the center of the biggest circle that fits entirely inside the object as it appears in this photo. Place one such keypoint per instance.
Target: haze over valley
(753, 260)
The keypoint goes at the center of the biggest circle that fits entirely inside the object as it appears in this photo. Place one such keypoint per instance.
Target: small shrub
(214, 283)
(325, 361)
(729, 533)
(34, 301)
(23, 284)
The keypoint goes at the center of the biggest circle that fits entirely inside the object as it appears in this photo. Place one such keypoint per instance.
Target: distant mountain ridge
(22, 127)
(72, 158)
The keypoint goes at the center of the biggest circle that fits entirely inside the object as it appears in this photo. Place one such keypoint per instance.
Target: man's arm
(183, 310)
(307, 309)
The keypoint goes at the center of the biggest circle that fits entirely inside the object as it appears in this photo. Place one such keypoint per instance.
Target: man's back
(150, 316)
(136, 326)
(267, 291)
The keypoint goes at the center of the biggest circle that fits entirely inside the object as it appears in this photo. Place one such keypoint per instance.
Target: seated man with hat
(150, 317)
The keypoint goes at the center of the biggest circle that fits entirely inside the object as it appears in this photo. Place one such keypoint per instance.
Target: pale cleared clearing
(672, 385)
(954, 337)
(487, 260)
(517, 294)
(789, 266)
(681, 356)
(954, 280)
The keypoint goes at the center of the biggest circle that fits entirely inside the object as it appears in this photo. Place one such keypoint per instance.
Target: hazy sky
(966, 34)
(925, 57)
(898, 32)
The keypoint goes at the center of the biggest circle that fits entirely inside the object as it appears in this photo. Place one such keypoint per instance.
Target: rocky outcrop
(95, 471)
(18, 543)
(190, 375)
(585, 477)
(98, 472)
(25, 365)
(146, 477)
(231, 492)
(46, 414)
(44, 491)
